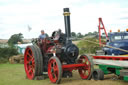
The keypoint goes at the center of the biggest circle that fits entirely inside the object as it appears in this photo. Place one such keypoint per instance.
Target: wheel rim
(53, 71)
(84, 71)
(29, 63)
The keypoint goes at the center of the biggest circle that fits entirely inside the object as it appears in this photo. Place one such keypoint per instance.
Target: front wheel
(54, 70)
(85, 72)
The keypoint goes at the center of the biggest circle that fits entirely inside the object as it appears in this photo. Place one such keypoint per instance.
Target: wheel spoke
(86, 68)
(27, 62)
(29, 67)
(33, 65)
(86, 72)
(30, 70)
(54, 64)
(29, 55)
(82, 60)
(33, 70)
(55, 68)
(87, 62)
(32, 59)
(55, 76)
(54, 73)
(83, 71)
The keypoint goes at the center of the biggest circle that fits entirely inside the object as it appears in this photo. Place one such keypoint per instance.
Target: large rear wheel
(54, 70)
(85, 72)
(33, 62)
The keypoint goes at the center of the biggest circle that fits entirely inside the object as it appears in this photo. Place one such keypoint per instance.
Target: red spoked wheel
(54, 70)
(32, 62)
(86, 72)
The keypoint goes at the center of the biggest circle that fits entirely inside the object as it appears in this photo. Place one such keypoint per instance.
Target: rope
(107, 46)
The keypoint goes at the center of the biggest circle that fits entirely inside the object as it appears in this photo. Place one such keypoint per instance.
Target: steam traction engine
(57, 56)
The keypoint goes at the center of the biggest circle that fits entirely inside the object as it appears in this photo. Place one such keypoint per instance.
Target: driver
(43, 35)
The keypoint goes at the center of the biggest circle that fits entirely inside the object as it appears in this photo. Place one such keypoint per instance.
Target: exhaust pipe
(67, 25)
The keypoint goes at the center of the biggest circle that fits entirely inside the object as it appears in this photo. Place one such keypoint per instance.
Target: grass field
(13, 74)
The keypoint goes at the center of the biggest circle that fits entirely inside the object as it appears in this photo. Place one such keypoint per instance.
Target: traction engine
(56, 56)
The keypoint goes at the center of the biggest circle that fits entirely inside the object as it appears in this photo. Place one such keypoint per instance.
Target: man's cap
(42, 30)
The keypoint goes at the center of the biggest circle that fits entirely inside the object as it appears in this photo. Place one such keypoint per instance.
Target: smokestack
(67, 24)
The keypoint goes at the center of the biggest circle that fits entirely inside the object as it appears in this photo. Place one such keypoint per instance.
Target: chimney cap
(66, 9)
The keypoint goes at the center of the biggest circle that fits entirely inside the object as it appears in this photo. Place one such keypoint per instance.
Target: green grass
(13, 74)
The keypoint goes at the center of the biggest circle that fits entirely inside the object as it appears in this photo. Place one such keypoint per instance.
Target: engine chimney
(67, 25)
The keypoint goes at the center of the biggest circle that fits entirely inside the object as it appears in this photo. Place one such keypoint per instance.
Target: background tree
(94, 34)
(79, 35)
(14, 39)
(73, 34)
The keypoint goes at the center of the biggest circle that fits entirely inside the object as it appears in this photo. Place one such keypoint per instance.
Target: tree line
(80, 35)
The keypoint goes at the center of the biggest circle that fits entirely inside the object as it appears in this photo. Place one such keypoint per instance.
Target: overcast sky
(16, 15)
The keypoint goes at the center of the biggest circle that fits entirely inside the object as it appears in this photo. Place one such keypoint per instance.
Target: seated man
(43, 35)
